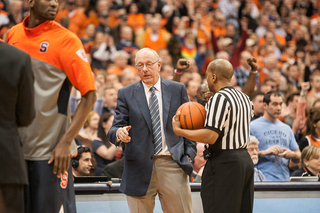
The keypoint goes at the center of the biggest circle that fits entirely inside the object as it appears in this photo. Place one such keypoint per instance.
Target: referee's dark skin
(228, 175)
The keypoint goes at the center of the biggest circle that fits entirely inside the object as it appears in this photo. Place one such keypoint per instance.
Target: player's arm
(78, 70)
(61, 153)
(200, 135)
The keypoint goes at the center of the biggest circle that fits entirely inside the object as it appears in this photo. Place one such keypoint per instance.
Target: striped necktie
(155, 118)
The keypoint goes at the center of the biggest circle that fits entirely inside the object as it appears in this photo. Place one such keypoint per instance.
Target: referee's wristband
(177, 73)
(254, 72)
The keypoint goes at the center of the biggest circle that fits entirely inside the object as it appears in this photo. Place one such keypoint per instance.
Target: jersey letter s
(44, 47)
(64, 180)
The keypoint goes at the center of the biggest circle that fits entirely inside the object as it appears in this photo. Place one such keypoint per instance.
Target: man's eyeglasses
(253, 149)
(148, 65)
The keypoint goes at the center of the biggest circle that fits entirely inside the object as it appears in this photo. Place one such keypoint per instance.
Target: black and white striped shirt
(228, 113)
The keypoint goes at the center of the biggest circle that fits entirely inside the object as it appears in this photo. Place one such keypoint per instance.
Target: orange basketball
(192, 115)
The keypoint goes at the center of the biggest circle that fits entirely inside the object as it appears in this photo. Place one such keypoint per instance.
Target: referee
(227, 180)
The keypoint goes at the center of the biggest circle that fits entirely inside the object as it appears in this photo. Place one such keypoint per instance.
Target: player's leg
(46, 192)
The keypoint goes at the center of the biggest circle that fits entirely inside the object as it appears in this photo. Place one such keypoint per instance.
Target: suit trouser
(171, 183)
(227, 182)
(11, 198)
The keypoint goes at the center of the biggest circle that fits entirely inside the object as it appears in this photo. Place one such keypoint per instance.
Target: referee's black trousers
(227, 183)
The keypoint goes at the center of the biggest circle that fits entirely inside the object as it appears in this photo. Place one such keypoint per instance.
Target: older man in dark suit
(16, 110)
(156, 161)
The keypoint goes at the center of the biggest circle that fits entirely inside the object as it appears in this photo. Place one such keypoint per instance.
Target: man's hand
(176, 125)
(253, 64)
(287, 153)
(123, 134)
(273, 150)
(286, 111)
(182, 64)
(61, 157)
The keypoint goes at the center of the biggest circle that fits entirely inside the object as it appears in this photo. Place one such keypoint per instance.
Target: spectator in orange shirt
(121, 63)
(154, 37)
(270, 39)
(279, 40)
(77, 19)
(89, 34)
(288, 55)
(135, 19)
(93, 13)
(220, 25)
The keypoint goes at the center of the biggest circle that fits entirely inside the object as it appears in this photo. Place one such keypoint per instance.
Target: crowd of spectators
(283, 35)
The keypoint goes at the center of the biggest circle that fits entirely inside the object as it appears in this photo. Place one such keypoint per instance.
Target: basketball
(192, 115)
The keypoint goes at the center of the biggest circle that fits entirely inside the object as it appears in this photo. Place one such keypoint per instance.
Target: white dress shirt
(158, 92)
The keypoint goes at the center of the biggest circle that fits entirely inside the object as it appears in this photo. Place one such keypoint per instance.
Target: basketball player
(58, 61)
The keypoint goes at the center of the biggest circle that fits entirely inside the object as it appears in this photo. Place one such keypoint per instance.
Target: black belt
(208, 152)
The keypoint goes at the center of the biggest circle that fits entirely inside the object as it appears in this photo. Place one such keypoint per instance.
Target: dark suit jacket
(114, 169)
(132, 109)
(16, 109)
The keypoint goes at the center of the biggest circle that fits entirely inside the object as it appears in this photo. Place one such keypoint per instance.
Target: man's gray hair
(156, 56)
(253, 139)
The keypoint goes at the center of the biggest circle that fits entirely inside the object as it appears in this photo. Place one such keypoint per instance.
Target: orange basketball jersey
(58, 59)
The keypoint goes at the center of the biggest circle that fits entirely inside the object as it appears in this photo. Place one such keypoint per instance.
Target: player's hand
(253, 63)
(61, 157)
(176, 125)
(123, 134)
(182, 64)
